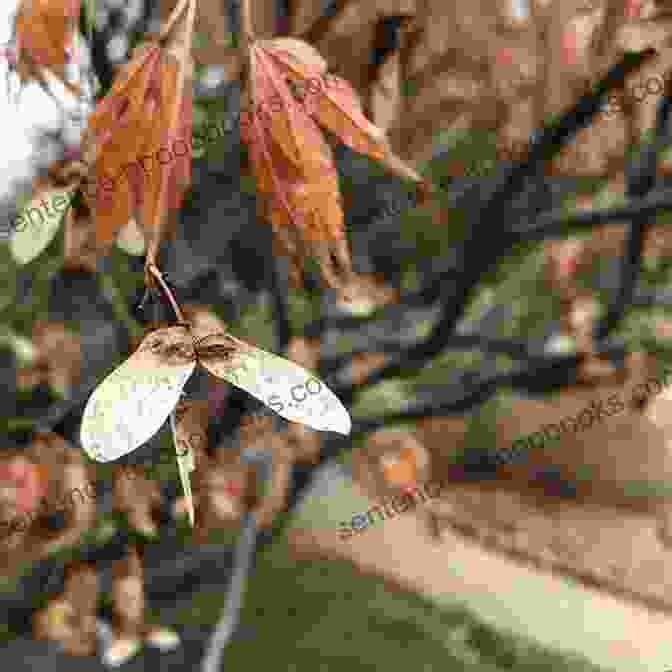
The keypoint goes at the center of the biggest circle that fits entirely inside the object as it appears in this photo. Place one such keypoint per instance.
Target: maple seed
(134, 401)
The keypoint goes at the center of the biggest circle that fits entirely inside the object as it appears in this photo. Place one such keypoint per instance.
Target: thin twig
(154, 271)
(173, 19)
(246, 32)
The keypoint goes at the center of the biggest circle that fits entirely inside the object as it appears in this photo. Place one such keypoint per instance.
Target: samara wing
(134, 401)
(283, 386)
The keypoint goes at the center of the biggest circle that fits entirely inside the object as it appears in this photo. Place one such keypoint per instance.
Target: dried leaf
(274, 108)
(44, 32)
(134, 121)
(175, 176)
(116, 132)
(334, 104)
(296, 173)
(330, 100)
(301, 58)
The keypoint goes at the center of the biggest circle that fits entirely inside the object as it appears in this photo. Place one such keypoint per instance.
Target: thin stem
(154, 271)
(246, 29)
(172, 19)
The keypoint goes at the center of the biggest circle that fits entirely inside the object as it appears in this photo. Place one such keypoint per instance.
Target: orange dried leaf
(295, 172)
(166, 165)
(304, 210)
(332, 102)
(116, 136)
(44, 31)
(129, 135)
(274, 107)
(338, 108)
(299, 56)
(335, 105)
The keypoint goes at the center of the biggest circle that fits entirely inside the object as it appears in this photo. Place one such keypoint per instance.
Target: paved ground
(554, 610)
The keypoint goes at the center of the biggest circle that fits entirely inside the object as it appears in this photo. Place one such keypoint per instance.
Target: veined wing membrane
(134, 401)
(283, 386)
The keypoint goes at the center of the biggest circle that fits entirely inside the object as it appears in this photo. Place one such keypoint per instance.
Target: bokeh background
(553, 557)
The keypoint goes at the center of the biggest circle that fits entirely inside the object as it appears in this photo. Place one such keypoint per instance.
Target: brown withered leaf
(293, 164)
(116, 132)
(333, 103)
(44, 32)
(272, 101)
(136, 121)
(175, 176)
(295, 172)
(338, 108)
(336, 105)
(302, 59)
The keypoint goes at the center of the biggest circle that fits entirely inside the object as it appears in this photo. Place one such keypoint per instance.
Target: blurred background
(474, 344)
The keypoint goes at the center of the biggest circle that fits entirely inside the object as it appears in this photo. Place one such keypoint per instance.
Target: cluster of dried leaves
(292, 162)
(149, 108)
(463, 65)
